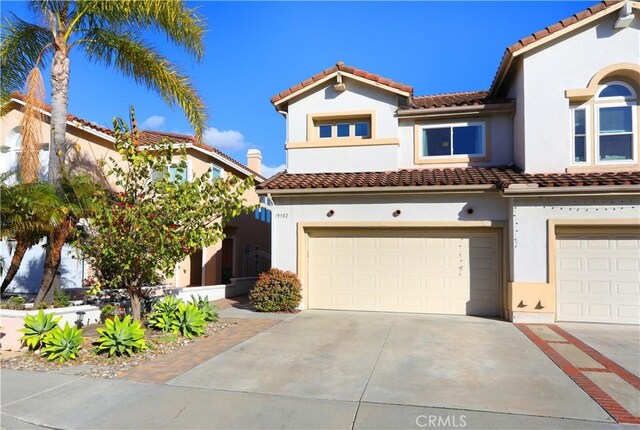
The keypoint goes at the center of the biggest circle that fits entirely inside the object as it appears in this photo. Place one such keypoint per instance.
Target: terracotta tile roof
(501, 177)
(469, 98)
(547, 31)
(340, 66)
(151, 137)
(70, 117)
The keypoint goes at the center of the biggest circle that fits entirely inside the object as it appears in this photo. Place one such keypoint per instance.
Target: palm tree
(28, 212)
(78, 195)
(106, 32)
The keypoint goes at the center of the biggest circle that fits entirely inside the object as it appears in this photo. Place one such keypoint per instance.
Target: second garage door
(445, 272)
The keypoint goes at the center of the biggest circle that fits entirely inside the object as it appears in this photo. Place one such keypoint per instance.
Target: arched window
(605, 128)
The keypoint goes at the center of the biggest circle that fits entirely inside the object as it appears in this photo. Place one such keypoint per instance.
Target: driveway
(321, 369)
(399, 359)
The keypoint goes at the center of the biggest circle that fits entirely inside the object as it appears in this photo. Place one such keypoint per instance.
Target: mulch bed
(90, 364)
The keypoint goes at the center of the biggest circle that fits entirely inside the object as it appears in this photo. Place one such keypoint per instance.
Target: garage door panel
(597, 278)
(405, 273)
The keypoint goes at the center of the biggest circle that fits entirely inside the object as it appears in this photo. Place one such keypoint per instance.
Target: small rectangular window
(216, 172)
(362, 129)
(343, 129)
(579, 136)
(467, 139)
(178, 174)
(325, 131)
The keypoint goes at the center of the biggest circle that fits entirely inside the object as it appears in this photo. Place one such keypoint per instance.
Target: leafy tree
(139, 234)
(107, 32)
(28, 212)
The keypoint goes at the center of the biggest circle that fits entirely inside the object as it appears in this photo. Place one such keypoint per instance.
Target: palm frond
(32, 120)
(184, 26)
(21, 47)
(134, 58)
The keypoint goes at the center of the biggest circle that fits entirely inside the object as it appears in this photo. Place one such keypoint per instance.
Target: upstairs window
(616, 124)
(359, 128)
(450, 140)
(216, 172)
(580, 135)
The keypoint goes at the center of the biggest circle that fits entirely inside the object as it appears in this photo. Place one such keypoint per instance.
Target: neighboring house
(520, 202)
(244, 252)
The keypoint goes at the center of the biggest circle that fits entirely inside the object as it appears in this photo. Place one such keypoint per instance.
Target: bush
(15, 303)
(61, 299)
(36, 327)
(120, 337)
(62, 343)
(208, 310)
(276, 291)
(189, 321)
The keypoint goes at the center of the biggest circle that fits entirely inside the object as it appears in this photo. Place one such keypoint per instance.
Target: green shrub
(15, 303)
(62, 343)
(189, 321)
(164, 313)
(36, 328)
(208, 310)
(61, 299)
(120, 337)
(276, 291)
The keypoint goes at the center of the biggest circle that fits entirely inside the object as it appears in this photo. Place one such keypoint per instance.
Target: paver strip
(580, 375)
(172, 365)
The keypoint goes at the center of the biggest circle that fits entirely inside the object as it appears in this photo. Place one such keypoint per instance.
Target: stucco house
(243, 253)
(521, 201)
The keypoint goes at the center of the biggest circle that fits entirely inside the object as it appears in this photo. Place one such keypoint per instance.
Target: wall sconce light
(331, 213)
(397, 213)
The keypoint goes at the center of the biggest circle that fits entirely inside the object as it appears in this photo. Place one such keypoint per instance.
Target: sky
(254, 50)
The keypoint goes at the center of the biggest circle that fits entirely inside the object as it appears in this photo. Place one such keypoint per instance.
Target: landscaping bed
(100, 365)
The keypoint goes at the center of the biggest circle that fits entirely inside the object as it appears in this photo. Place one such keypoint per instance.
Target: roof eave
(379, 190)
(421, 112)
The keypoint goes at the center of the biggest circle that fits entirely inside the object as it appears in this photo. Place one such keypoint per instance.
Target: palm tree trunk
(22, 246)
(55, 242)
(59, 106)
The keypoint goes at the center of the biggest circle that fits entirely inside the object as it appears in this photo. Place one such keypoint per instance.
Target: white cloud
(154, 121)
(268, 172)
(224, 139)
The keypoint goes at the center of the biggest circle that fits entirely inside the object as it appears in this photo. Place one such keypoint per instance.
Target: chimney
(254, 160)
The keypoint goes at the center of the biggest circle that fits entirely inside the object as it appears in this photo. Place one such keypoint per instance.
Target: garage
(423, 271)
(598, 277)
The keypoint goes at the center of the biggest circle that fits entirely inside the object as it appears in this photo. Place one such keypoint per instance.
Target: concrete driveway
(430, 361)
(337, 370)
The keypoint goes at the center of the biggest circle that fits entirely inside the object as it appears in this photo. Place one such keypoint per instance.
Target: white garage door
(598, 278)
(427, 272)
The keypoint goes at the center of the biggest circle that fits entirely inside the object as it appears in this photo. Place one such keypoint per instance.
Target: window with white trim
(176, 172)
(216, 171)
(616, 124)
(357, 128)
(450, 140)
(580, 149)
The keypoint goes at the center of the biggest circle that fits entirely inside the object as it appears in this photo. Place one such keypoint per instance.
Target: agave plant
(208, 310)
(189, 321)
(164, 313)
(62, 344)
(120, 337)
(36, 328)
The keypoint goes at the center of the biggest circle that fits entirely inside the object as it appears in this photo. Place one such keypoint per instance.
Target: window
(360, 128)
(216, 172)
(616, 128)
(579, 135)
(175, 172)
(464, 139)
(605, 129)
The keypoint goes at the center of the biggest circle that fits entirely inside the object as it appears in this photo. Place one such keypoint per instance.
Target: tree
(79, 196)
(140, 233)
(28, 212)
(106, 32)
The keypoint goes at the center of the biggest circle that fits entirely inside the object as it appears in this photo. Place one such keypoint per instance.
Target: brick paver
(174, 364)
(580, 374)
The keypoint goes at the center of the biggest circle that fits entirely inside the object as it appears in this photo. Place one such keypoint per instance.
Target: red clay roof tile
(500, 177)
(468, 98)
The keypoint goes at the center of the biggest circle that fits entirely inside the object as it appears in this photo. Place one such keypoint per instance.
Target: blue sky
(257, 49)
